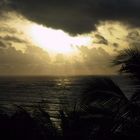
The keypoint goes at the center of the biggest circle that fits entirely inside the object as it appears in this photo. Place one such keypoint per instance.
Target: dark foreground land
(102, 112)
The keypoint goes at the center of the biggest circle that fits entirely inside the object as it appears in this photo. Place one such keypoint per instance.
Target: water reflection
(51, 93)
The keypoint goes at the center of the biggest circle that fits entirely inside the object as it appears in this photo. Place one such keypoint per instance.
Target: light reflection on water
(52, 93)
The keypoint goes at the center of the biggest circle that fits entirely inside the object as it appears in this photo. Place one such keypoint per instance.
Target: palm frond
(102, 90)
(129, 60)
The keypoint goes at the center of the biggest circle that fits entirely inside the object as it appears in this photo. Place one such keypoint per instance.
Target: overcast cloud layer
(76, 16)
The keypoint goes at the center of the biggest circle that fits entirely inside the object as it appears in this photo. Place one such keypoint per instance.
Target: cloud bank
(108, 38)
(76, 16)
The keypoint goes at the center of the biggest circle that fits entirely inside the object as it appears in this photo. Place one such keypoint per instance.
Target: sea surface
(52, 92)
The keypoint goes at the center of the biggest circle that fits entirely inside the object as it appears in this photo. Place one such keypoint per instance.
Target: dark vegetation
(102, 113)
(129, 60)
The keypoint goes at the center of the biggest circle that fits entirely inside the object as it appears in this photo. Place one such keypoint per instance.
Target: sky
(66, 37)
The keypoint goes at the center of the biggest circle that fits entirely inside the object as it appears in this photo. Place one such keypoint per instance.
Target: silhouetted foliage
(104, 112)
(115, 115)
(129, 60)
(23, 126)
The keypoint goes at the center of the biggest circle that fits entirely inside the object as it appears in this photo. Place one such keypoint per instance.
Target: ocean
(52, 92)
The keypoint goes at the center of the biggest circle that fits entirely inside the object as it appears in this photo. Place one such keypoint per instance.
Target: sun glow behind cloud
(38, 49)
(56, 41)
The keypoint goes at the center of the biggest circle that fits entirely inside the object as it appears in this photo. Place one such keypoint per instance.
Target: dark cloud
(12, 38)
(115, 45)
(77, 16)
(1, 2)
(133, 38)
(133, 35)
(134, 44)
(4, 6)
(101, 39)
(2, 45)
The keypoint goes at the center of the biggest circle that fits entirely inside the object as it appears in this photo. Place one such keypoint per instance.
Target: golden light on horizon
(56, 41)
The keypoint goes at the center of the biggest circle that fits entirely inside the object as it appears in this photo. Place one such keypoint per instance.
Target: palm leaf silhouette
(129, 60)
(103, 93)
(110, 109)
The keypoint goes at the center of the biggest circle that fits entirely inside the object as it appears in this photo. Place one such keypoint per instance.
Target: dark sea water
(52, 92)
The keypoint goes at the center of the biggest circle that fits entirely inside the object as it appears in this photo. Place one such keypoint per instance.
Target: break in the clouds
(20, 54)
(76, 16)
